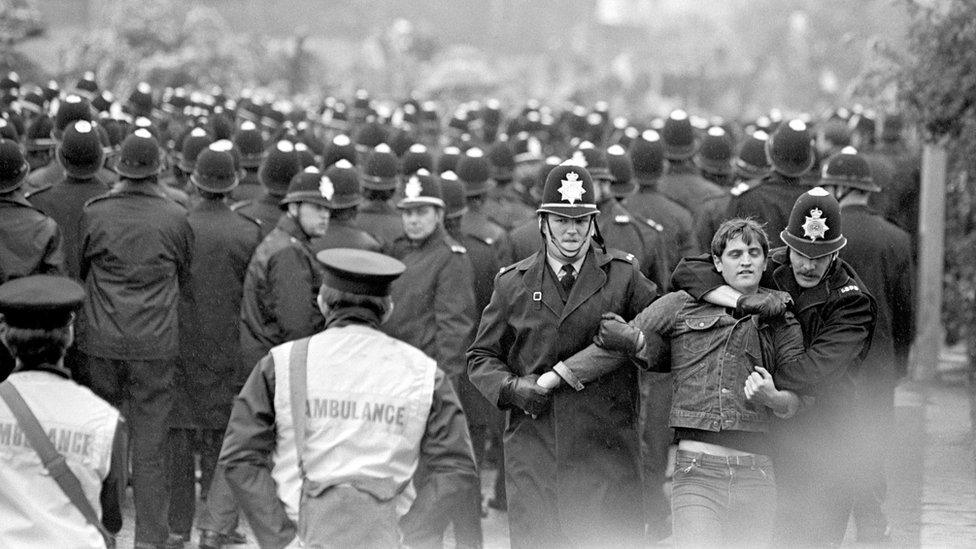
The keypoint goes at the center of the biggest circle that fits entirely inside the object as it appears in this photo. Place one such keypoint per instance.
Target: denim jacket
(710, 354)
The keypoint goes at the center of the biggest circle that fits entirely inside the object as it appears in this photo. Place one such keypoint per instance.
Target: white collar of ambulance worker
(557, 265)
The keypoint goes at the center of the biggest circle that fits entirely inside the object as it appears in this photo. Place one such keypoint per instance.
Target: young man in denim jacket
(722, 361)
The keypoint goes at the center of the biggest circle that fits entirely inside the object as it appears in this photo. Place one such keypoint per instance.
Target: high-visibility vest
(34, 510)
(368, 398)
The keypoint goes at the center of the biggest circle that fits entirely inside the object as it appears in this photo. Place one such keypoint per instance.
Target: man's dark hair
(34, 347)
(750, 230)
(336, 299)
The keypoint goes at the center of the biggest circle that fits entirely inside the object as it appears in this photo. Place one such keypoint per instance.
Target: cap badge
(413, 188)
(572, 188)
(325, 188)
(815, 226)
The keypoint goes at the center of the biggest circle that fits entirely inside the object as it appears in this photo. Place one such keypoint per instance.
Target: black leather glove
(525, 394)
(764, 305)
(618, 336)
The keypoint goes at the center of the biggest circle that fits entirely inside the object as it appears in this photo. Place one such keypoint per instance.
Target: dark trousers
(143, 391)
(184, 445)
(656, 438)
(220, 512)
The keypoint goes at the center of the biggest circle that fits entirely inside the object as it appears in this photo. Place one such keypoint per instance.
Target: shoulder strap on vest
(53, 461)
(297, 382)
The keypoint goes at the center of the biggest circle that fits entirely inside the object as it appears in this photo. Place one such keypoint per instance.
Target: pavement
(931, 470)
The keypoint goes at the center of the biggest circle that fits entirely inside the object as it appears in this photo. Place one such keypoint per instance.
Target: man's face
(809, 272)
(312, 218)
(567, 238)
(741, 265)
(420, 222)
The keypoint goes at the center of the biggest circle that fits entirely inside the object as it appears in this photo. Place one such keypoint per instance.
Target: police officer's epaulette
(486, 239)
(850, 288)
(454, 246)
(38, 191)
(743, 187)
(257, 222)
(621, 255)
(101, 197)
(653, 224)
(518, 265)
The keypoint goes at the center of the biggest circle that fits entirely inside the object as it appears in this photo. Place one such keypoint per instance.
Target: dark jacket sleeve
(696, 275)
(113, 487)
(487, 368)
(786, 346)
(453, 313)
(52, 261)
(290, 280)
(447, 458)
(847, 327)
(245, 458)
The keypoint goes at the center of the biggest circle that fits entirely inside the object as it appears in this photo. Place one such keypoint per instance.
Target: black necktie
(569, 277)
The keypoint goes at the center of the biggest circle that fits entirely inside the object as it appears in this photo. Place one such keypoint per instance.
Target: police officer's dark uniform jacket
(280, 290)
(31, 242)
(210, 330)
(434, 299)
(572, 472)
(768, 200)
(135, 259)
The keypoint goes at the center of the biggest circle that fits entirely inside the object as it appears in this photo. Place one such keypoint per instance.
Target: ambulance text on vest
(64, 440)
(376, 412)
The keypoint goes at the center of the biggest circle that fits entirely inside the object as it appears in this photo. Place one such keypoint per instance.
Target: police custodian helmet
(814, 229)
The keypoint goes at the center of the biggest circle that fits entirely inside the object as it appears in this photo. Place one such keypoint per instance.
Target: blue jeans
(719, 501)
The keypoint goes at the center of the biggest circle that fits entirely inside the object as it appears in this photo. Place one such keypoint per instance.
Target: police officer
(210, 350)
(618, 228)
(769, 200)
(36, 314)
(410, 419)
(31, 242)
(135, 261)
(571, 457)
(505, 204)
(71, 109)
(247, 139)
(681, 181)
(279, 166)
(818, 452)
(882, 254)
(283, 277)
(473, 170)
(750, 164)
(343, 232)
(654, 207)
(435, 293)
(81, 156)
(377, 215)
(435, 308)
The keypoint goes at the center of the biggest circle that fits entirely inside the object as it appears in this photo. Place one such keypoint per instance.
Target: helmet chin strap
(570, 255)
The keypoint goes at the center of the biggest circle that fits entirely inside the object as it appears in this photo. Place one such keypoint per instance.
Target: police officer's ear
(389, 310)
(3, 331)
(293, 209)
(320, 299)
